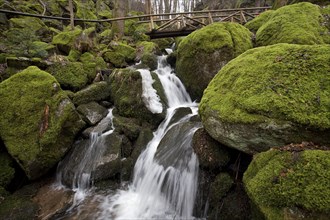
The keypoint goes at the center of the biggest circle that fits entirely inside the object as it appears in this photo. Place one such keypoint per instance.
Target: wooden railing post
(210, 18)
(152, 25)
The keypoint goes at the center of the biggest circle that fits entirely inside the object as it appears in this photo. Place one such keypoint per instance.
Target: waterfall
(165, 180)
(82, 172)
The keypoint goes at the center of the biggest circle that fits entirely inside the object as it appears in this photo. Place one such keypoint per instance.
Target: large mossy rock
(71, 75)
(95, 92)
(126, 92)
(27, 37)
(300, 23)
(65, 40)
(270, 96)
(38, 122)
(289, 185)
(204, 52)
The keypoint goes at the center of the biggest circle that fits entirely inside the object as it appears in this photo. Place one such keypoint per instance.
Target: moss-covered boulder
(94, 92)
(71, 75)
(126, 92)
(26, 36)
(65, 40)
(38, 122)
(290, 184)
(204, 52)
(300, 23)
(127, 51)
(270, 96)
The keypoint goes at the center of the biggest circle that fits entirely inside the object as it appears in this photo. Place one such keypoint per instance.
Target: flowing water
(161, 191)
(165, 175)
(82, 173)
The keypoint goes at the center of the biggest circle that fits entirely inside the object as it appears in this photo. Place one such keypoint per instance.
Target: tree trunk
(118, 27)
(71, 14)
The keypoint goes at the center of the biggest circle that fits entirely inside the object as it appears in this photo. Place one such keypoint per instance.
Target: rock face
(270, 96)
(296, 24)
(204, 52)
(38, 122)
(288, 185)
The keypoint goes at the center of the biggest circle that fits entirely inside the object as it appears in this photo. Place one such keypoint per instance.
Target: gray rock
(92, 112)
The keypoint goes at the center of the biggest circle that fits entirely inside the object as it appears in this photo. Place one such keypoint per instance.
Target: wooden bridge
(183, 23)
(174, 24)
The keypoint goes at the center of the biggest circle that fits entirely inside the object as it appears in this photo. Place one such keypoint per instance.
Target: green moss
(117, 59)
(126, 93)
(85, 9)
(74, 55)
(278, 179)
(38, 121)
(94, 92)
(285, 82)
(214, 46)
(125, 50)
(7, 170)
(40, 49)
(219, 187)
(67, 37)
(27, 22)
(148, 47)
(295, 24)
(260, 20)
(26, 37)
(72, 75)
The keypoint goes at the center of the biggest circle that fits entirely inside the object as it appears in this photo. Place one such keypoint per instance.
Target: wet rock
(211, 154)
(130, 127)
(141, 143)
(20, 204)
(52, 201)
(109, 164)
(175, 147)
(92, 112)
(235, 205)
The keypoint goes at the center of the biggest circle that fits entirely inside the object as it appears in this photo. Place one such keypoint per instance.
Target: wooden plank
(170, 22)
(193, 19)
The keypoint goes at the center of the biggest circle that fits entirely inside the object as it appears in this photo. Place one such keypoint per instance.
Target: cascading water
(81, 175)
(164, 183)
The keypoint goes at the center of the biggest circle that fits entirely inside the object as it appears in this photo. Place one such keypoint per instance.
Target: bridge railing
(159, 22)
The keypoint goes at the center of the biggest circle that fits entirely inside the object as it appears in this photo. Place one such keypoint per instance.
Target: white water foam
(149, 94)
(159, 192)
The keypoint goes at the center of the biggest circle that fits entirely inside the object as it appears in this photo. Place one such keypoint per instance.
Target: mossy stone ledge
(38, 122)
(204, 52)
(289, 185)
(270, 96)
